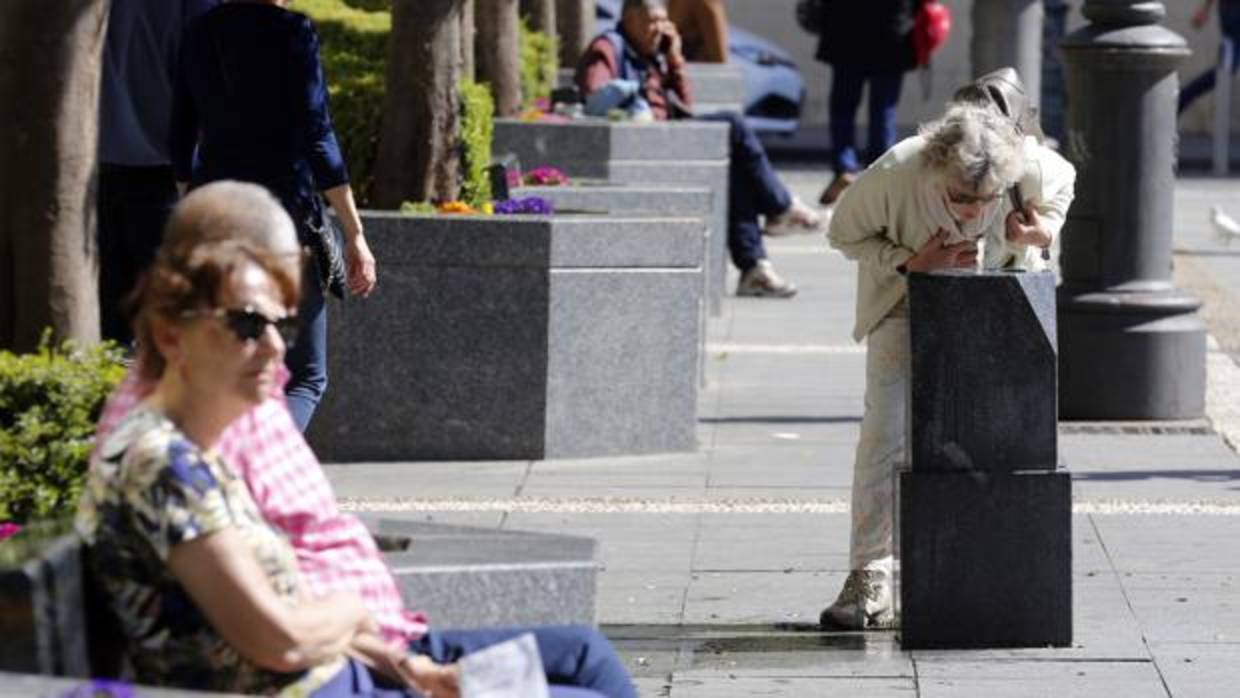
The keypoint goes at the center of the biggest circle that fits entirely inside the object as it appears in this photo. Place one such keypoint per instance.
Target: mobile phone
(665, 43)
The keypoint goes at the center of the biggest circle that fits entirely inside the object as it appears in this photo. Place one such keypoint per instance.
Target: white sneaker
(761, 281)
(865, 602)
(799, 218)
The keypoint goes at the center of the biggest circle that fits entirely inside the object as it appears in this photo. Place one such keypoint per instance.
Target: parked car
(774, 89)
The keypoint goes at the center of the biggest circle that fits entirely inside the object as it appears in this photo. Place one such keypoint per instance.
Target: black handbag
(321, 236)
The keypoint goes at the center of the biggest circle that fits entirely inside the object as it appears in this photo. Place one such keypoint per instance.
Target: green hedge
(49, 403)
(539, 63)
(477, 130)
(354, 36)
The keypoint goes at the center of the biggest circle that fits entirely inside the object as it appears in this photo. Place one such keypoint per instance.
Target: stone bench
(469, 577)
(517, 337)
(55, 623)
(681, 153)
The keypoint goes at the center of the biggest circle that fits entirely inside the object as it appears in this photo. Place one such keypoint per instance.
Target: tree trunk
(50, 59)
(469, 69)
(418, 156)
(498, 53)
(575, 26)
(541, 15)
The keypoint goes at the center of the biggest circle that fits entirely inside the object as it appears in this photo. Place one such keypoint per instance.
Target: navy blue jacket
(251, 97)
(873, 34)
(139, 68)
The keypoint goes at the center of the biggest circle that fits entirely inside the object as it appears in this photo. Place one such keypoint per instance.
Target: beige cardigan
(878, 224)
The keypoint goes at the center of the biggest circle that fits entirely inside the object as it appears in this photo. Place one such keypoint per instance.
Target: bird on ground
(1225, 227)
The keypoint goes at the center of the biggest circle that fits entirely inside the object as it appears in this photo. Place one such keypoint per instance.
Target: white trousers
(881, 448)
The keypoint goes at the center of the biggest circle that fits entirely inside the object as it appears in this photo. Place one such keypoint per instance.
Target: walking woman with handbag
(250, 104)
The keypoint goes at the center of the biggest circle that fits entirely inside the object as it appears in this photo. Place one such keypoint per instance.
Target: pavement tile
(1203, 609)
(1194, 670)
(759, 597)
(1159, 543)
(1014, 679)
(422, 479)
(642, 598)
(798, 655)
(800, 687)
(628, 542)
(784, 492)
(772, 542)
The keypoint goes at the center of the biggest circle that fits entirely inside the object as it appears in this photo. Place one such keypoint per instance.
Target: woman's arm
(221, 575)
(358, 257)
(327, 164)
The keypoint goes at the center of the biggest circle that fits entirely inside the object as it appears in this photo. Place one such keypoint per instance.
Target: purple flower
(8, 529)
(529, 205)
(101, 688)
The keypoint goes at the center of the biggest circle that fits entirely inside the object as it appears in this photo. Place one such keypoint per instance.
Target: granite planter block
(682, 153)
(42, 615)
(986, 559)
(624, 199)
(984, 371)
(517, 337)
(584, 146)
(466, 577)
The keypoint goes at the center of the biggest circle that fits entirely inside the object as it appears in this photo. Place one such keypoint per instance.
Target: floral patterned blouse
(149, 489)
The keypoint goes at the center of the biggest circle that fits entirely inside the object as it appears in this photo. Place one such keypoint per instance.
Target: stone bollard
(1133, 346)
(985, 513)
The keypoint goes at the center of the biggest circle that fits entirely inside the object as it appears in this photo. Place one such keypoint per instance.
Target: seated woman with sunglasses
(922, 206)
(207, 593)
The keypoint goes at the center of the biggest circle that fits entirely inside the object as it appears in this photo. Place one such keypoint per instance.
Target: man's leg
(884, 97)
(749, 167)
(866, 599)
(1198, 86)
(846, 86)
(572, 655)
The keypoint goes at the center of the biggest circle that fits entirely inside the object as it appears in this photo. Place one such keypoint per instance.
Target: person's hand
(431, 679)
(360, 266)
(1026, 228)
(1202, 16)
(668, 38)
(937, 254)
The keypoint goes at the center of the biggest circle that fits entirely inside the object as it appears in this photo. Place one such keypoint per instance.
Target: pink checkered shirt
(334, 550)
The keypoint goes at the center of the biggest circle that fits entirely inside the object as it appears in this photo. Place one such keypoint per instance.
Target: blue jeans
(1229, 22)
(753, 189)
(307, 359)
(575, 657)
(847, 82)
(133, 205)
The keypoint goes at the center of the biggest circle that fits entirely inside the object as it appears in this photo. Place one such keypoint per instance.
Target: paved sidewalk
(718, 562)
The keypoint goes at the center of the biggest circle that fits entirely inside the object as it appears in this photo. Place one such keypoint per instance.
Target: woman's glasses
(247, 324)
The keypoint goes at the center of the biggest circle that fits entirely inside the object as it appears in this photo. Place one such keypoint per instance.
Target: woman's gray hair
(975, 145)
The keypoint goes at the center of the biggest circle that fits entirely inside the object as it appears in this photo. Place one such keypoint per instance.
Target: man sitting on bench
(638, 66)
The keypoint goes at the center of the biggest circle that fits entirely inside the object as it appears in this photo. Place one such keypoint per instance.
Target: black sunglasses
(247, 324)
